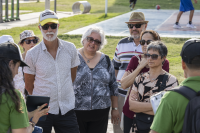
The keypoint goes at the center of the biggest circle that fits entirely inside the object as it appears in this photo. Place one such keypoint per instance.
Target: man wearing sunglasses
(52, 70)
(125, 50)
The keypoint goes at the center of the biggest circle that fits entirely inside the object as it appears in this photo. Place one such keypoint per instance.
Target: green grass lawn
(115, 8)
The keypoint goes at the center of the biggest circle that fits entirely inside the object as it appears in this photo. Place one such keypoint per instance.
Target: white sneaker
(190, 26)
(131, 9)
(177, 26)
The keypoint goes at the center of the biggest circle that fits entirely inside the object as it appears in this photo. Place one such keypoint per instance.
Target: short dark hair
(195, 63)
(158, 46)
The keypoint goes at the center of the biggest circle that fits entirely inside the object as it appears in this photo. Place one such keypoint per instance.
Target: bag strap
(185, 91)
(108, 61)
(163, 85)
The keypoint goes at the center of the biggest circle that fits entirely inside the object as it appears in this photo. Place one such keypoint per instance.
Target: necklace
(88, 60)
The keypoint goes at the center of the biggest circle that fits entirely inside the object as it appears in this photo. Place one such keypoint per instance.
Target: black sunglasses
(28, 41)
(153, 56)
(91, 39)
(142, 42)
(130, 26)
(46, 26)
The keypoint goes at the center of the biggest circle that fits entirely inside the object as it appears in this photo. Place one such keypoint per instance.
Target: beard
(138, 35)
(135, 36)
(50, 39)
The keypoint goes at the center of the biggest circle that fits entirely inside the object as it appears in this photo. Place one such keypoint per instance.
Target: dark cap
(190, 49)
(10, 50)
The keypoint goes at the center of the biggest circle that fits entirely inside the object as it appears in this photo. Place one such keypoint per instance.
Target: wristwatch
(114, 108)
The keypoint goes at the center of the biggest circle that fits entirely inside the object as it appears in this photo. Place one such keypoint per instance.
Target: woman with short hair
(148, 84)
(95, 85)
(138, 64)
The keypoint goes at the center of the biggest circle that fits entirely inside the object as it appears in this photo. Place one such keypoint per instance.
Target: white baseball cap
(48, 16)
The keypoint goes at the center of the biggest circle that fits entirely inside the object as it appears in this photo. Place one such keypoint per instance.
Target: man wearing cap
(170, 114)
(125, 50)
(52, 70)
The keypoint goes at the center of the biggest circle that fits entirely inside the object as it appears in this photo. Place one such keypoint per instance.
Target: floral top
(93, 87)
(146, 88)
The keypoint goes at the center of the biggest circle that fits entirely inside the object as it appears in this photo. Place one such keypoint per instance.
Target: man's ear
(145, 26)
(58, 25)
(39, 27)
(183, 65)
(10, 63)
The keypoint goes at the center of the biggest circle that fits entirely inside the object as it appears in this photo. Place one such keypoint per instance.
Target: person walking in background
(171, 111)
(95, 85)
(147, 84)
(51, 72)
(138, 65)
(27, 40)
(13, 111)
(185, 5)
(132, 4)
(125, 50)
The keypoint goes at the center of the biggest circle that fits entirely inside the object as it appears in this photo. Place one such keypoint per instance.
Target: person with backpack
(95, 85)
(179, 110)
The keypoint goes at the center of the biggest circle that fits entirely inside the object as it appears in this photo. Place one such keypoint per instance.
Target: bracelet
(114, 108)
(32, 123)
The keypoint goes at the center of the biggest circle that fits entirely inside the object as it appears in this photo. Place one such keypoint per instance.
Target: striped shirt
(125, 50)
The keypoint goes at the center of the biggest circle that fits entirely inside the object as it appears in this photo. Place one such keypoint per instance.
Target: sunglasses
(142, 42)
(91, 39)
(46, 26)
(29, 41)
(153, 56)
(130, 26)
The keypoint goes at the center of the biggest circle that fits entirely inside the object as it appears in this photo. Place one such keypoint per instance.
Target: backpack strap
(186, 92)
(163, 85)
(108, 61)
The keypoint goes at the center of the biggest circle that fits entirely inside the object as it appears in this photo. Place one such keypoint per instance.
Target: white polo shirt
(53, 76)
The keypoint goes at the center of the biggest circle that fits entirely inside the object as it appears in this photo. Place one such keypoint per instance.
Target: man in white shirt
(51, 72)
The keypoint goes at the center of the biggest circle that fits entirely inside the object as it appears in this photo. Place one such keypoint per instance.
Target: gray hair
(158, 46)
(98, 30)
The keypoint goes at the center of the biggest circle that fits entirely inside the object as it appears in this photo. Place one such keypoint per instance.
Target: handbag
(143, 121)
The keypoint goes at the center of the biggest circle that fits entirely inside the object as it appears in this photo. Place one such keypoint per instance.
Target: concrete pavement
(30, 18)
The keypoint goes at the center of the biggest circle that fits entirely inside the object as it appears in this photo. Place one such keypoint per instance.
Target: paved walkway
(31, 18)
(161, 21)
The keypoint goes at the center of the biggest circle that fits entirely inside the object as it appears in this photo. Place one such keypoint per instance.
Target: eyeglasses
(142, 42)
(46, 26)
(91, 39)
(153, 56)
(130, 26)
(29, 41)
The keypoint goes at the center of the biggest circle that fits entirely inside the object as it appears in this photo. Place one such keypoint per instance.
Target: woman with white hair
(95, 85)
